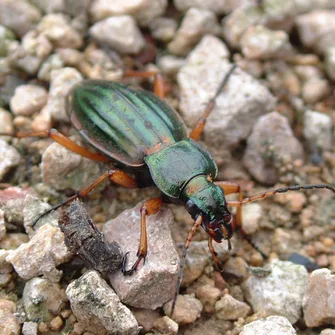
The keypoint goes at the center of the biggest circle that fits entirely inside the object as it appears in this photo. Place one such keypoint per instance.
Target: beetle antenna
(196, 225)
(266, 194)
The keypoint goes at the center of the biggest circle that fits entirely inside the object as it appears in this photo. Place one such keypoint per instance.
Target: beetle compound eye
(191, 208)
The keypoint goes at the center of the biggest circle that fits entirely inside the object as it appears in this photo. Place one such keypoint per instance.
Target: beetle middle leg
(150, 207)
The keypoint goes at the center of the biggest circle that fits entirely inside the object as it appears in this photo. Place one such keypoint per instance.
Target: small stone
(37, 44)
(41, 254)
(8, 322)
(318, 130)
(330, 62)
(19, 16)
(252, 215)
(163, 28)
(10, 158)
(270, 142)
(42, 299)
(56, 323)
(281, 292)
(145, 317)
(13, 240)
(228, 308)
(53, 62)
(49, 6)
(5, 267)
(187, 309)
(28, 99)
(272, 325)
(195, 24)
(218, 7)
(328, 332)
(284, 242)
(6, 36)
(2, 226)
(120, 33)
(30, 328)
(314, 90)
(208, 295)
(235, 269)
(318, 303)
(165, 325)
(6, 122)
(259, 42)
(57, 28)
(144, 290)
(170, 65)
(70, 57)
(62, 81)
(96, 305)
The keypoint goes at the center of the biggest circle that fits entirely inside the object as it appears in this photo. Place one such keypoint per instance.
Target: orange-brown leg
(214, 254)
(150, 207)
(117, 176)
(200, 125)
(64, 141)
(159, 87)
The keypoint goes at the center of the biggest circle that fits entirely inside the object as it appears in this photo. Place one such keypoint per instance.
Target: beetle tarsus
(135, 265)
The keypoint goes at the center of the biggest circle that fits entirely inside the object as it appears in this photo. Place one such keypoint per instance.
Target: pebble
(8, 322)
(56, 323)
(6, 122)
(238, 106)
(293, 201)
(318, 303)
(28, 99)
(70, 57)
(41, 255)
(315, 89)
(218, 7)
(330, 62)
(37, 44)
(13, 240)
(2, 226)
(285, 242)
(165, 325)
(62, 81)
(270, 142)
(144, 11)
(6, 36)
(208, 295)
(19, 16)
(42, 299)
(235, 269)
(318, 130)
(187, 309)
(120, 33)
(49, 6)
(281, 292)
(272, 325)
(53, 62)
(195, 24)
(170, 65)
(260, 43)
(95, 304)
(316, 29)
(58, 30)
(163, 28)
(228, 308)
(144, 289)
(252, 215)
(328, 332)
(30, 328)
(10, 158)
(62, 169)
(145, 317)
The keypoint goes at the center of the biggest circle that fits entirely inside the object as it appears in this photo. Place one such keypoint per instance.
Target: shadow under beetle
(139, 132)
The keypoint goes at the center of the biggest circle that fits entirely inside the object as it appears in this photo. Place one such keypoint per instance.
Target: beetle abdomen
(121, 122)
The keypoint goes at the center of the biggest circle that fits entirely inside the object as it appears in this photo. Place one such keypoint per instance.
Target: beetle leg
(64, 141)
(117, 176)
(159, 87)
(150, 207)
(214, 254)
(200, 125)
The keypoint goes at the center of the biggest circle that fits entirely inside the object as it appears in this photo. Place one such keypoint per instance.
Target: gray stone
(10, 158)
(96, 305)
(144, 288)
(269, 146)
(318, 130)
(42, 299)
(319, 302)
(315, 89)
(330, 62)
(280, 293)
(120, 33)
(170, 64)
(6, 36)
(53, 62)
(41, 254)
(208, 295)
(165, 325)
(163, 28)
(30, 328)
(28, 99)
(195, 24)
(273, 325)
(252, 216)
(228, 308)
(217, 6)
(8, 322)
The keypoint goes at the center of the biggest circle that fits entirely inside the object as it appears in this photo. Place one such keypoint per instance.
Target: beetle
(140, 133)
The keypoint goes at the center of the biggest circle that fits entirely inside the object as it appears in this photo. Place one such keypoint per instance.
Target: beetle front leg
(214, 254)
(150, 207)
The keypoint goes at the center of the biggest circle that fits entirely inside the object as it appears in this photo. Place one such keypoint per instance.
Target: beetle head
(205, 198)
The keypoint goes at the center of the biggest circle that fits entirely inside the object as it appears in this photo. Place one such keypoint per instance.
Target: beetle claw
(135, 265)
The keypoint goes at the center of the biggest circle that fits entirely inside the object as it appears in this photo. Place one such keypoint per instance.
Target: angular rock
(195, 24)
(144, 288)
(270, 144)
(5, 267)
(330, 62)
(95, 304)
(30, 328)
(42, 299)
(9, 158)
(120, 33)
(6, 122)
(217, 6)
(145, 317)
(228, 308)
(165, 325)
(318, 130)
(6, 37)
(252, 216)
(318, 303)
(53, 62)
(41, 254)
(208, 295)
(273, 325)
(170, 65)
(18, 15)
(236, 109)
(62, 81)
(28, 99)
(280, 293)
(8, 322)
(49, 6)
(315, 89)
(163, 28)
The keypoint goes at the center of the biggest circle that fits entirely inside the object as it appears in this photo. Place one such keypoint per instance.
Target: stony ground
(273, 125)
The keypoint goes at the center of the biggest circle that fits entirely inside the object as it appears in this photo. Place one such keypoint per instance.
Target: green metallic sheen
(121, 122)
(172, 167)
